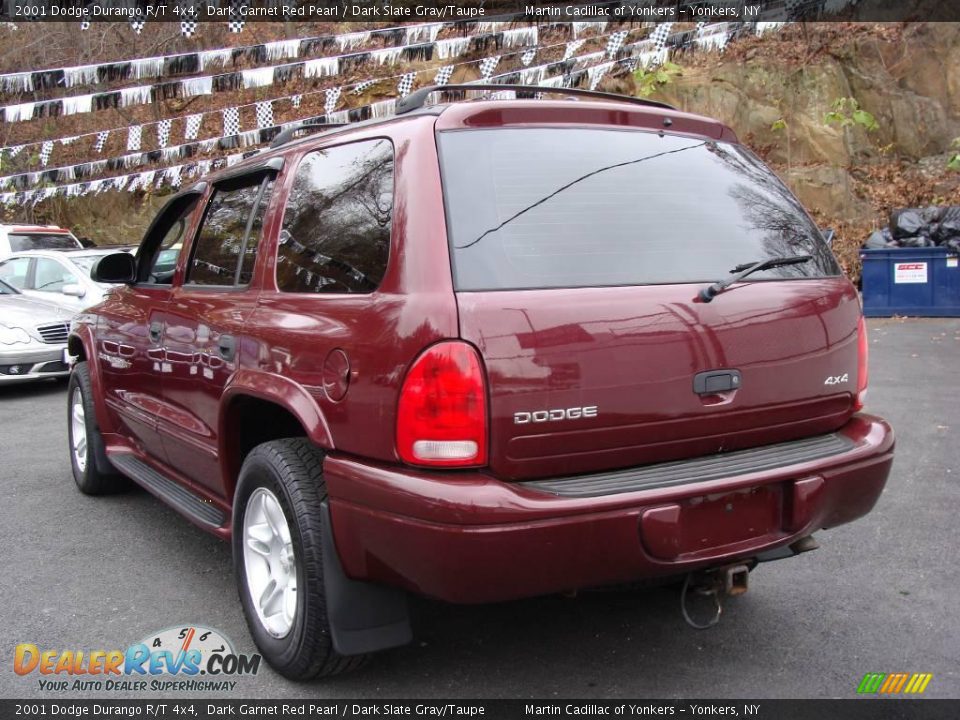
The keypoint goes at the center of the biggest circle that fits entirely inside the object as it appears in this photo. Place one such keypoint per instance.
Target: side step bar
(182, 499)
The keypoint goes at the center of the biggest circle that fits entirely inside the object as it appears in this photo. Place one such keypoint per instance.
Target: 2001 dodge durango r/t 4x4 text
(479, 351)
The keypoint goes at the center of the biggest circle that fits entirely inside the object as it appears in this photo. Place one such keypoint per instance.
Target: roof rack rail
(418, 98)
(286, 135)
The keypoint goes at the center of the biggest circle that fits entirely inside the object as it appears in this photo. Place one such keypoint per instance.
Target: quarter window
(15, 272)
(336, 226)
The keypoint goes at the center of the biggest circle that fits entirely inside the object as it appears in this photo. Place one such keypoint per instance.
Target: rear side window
(226, 244)
(559, 207)
(336, 226)
(43, 241)
(15, 272)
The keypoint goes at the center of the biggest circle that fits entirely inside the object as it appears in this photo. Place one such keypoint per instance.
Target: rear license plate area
(706, 524)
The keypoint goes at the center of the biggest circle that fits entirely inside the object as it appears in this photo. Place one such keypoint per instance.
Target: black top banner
(195, 709)
(399, 11)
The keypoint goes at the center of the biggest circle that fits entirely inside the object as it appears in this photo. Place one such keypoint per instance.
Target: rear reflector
(862, 353)
(442, 414)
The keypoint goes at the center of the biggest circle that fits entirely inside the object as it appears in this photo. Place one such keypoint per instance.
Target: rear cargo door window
(336, 225)
(561, 207)
(43, 241)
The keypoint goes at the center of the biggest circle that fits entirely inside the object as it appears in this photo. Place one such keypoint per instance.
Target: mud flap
(363, 617)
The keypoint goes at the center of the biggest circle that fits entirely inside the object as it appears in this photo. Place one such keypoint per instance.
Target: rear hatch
(577, 257)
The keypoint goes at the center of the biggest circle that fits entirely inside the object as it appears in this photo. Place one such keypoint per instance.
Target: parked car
(15, 238)
(33, 338)
(481, 351)
(58, 276)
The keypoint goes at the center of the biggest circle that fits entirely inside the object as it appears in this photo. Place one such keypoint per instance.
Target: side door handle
(227, 345)
(156, 330)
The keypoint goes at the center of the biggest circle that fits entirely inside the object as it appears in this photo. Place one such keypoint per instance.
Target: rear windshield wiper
(709, 293)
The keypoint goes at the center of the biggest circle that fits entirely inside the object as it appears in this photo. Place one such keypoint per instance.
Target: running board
(174, 494)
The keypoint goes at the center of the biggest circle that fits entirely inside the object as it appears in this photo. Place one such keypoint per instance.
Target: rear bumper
(468, 538)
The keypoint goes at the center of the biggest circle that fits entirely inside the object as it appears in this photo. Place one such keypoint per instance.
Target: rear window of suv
(42, 241)
(559, 207)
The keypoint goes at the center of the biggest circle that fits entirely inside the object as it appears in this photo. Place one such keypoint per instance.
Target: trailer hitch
(715, 584)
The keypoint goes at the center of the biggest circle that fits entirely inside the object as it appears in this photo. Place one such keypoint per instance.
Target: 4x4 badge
(837, 379)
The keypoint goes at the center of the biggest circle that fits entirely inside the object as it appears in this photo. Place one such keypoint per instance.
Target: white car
(33, 337)
(58, 276)
(16, 238)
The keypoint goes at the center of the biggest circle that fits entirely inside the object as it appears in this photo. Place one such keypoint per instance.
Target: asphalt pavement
(880, 595)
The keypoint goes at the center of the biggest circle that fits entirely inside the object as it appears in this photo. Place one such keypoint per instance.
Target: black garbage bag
(948, 227)
(918, 241)
(932, 214)
(953, 244)
(906, 222)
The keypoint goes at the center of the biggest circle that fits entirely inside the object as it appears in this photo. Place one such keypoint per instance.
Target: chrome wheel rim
(78, 430)
(270, 563)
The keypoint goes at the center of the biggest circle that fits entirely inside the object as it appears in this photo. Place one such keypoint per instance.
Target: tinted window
(531, 208)
(336, 226)
(253, 241)
(157, 257)
(51, 276)
(42, 241)
(15, 272)
(220, 240)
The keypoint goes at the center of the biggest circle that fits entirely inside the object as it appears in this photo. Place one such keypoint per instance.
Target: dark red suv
(479, 351)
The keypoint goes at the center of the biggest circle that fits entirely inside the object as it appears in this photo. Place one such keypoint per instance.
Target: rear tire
(85, 441)
(278, 559)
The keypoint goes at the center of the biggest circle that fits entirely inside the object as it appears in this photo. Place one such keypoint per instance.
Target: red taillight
(442, 415)
(862, 353)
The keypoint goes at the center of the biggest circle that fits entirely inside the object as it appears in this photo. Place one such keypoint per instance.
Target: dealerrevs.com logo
(189, 658)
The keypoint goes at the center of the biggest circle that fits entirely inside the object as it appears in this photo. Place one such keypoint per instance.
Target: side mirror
(73, 290)
(828, 235)
(116, 268)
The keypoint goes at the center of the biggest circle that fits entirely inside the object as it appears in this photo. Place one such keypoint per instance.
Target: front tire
(278, 559)
(85, 441)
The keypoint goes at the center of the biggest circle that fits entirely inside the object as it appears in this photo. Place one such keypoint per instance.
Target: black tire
(90, 478)
(291, 469)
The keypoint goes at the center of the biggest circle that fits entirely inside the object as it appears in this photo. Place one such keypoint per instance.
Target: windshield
(560, 207)
(6, 289)
(85, 262)
(42, 241)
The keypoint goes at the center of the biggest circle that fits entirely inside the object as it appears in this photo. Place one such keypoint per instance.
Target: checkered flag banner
(15, 150)
(488, 65)
(443, 75)
(231, 121)
(101, 140)
(528, 56)
(330, 104)
(236, 23)
(616, 42)
(163, 132)
(192, 128)
(361, 87)
(188, 28)
(265, 114)
(296, 100)
(84, 24)
(45, 151)
(406, 83)
(572, 48)
(137, 23)
(659, 36)
(134, 135)
(69, 140)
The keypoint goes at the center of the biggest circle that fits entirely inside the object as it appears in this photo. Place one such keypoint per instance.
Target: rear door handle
(227, 345)
(156, 330)
(716, 381)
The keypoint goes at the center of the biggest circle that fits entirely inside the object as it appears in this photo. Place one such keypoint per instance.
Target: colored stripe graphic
(894, 683)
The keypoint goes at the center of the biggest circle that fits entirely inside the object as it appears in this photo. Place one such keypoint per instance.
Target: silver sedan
(33, 337)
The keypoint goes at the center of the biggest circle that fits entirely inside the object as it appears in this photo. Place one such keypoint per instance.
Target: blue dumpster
(908, 281)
